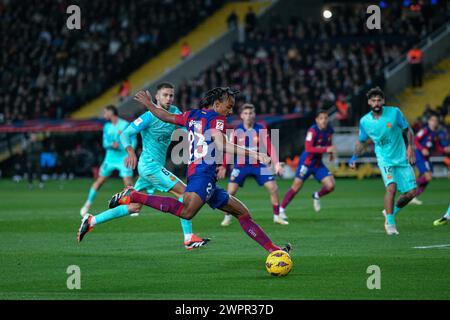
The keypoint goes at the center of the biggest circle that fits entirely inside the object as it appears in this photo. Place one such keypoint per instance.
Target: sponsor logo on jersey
(138, 121)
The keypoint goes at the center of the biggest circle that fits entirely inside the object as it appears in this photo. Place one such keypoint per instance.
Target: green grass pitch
(143, 257)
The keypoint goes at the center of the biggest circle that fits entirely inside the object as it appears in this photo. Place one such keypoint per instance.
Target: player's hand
(411, 155)
(115, 145)
(131, 160)
(447, 149)
(279, 168)
(425, 152)
(331, 149)
(264, 159)
(221, 172)
(144, 97)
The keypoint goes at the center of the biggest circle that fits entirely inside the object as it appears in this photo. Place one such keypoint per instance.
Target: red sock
(164, 204)
(422, 183)
(288, 198)
(256, 233)
(323, 192)
(276, 209)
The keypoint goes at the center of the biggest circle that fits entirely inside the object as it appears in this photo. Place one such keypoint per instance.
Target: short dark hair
(320, 111)
(113, 109)
(164, 85)
(246, 106)
(375, 92)
(433, 114)
(218, 93)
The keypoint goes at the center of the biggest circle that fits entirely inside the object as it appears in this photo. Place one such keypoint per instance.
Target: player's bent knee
(134, 207)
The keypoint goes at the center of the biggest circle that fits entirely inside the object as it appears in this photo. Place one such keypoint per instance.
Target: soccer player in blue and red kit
(253, 136)
(427, 141)
(206, 130)
(318, 141)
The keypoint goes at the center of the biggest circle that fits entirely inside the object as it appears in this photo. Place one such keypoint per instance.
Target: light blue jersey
(114, 158)
(156, 138)
(386, 133)
(111, 134)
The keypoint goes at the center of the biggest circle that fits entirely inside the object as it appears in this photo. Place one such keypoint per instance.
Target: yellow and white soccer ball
(279, 263)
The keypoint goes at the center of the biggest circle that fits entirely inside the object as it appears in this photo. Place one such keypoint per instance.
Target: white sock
(93, 221)
(281, 210)
(187, 237)
(447, 216)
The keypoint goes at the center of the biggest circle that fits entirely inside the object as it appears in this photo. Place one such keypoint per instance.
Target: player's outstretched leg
(443, 220)
(289, 196)
(186, 210)
(240, 212)
(328, 184)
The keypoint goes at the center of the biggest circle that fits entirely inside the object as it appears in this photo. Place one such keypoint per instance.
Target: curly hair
(218, 93)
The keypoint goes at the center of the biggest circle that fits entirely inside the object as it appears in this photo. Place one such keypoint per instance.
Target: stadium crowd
(49, 71)
(301, 65)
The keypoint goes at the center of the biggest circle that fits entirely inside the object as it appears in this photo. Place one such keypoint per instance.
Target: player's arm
(129, 141)
(223, 145)
(145, 98)
(408, 136)
(360, 146)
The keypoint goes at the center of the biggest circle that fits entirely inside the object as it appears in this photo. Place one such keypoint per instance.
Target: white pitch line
(431, 247)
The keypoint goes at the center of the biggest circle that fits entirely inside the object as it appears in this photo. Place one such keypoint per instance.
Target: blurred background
(287, 57)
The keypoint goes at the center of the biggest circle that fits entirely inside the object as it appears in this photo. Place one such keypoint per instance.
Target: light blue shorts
(107, 168)
(155, 178)
(403, 176)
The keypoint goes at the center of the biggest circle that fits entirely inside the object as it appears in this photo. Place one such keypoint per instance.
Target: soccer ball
(279, 263)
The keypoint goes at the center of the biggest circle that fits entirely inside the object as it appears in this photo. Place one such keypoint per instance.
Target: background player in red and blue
(251, 135)
(318, 141)
(206, 131)
(427, 141)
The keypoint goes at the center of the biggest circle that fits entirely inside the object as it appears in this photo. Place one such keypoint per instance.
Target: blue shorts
(205, 187)
(403, 176)
(260, 173)
(422, 164)
(303, 172)
(107, 168)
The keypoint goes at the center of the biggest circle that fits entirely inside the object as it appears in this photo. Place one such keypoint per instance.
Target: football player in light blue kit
(389, 130)
(115, 155)
(156, 138)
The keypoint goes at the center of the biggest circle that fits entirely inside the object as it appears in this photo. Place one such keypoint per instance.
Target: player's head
(375, 99)
(165, 93)
(220, 99)
(248, 114)
(433, 121)
(322, 119)
(110, 112)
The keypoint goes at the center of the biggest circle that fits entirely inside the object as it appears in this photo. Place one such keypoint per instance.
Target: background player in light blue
(389, 130)
(156, 138)
(115, 155)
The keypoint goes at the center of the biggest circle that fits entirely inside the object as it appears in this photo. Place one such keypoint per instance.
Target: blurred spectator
(48, 71)
(232, 20)
(342, 110)
(185, 50)
(415, 57)
(250, 20)
(124, 90)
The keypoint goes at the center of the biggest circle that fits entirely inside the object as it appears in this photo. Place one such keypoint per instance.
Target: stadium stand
(49, 71)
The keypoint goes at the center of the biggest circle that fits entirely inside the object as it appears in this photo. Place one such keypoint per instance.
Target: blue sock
(390, 219)
(186, 225)
(111, 214)
(91, 195)
(396, 210)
